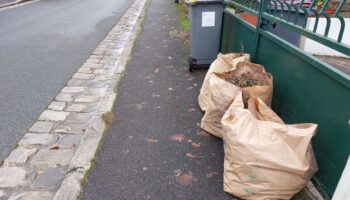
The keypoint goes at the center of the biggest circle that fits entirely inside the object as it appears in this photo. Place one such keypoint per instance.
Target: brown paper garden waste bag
(265, 158)
(249, 78)
(223, 63)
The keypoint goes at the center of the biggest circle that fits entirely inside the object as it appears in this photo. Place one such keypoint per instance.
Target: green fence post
(262, 8)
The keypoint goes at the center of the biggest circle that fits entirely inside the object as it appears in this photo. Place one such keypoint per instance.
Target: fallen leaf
(177, 172)
(196, 145)
(203, 133)
(190, 155)
(177, 137)
(186, 179)
(149, 76)
(189, 88)
(144, 168)
(54, 147)
(151, 140)
(156, 71)
(139, 106)
(211, 174)
(155, 95)
(191, 110)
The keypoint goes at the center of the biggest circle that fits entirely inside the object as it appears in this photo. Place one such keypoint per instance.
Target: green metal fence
(306, 89)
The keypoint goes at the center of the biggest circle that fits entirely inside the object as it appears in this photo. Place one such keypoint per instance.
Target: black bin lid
(194, 2)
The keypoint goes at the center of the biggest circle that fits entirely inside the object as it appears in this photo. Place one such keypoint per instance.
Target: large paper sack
(223, 63)
(222, 93)
(265, 158)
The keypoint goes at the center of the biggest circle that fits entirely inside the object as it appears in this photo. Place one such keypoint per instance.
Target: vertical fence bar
(260, 24)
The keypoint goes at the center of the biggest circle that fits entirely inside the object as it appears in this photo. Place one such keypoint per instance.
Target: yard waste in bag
(249, 78)
(265, 158)
(223, 63)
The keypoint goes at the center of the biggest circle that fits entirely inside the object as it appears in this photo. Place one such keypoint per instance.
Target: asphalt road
(41, 45)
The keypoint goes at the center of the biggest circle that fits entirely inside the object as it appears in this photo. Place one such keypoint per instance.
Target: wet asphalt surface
(155, 148)
(42, 44)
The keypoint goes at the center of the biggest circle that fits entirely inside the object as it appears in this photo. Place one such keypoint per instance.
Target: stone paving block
(82, 107)
(103, 77)
(77, 82)
(104, 72)
(69, 141)
(82, 76)
(91, 60)
(98, 52)
(35, 195)
(19, 156)
(98, 83)
(86, 151)
(51, 158)
(12, 176)
(50, 115)
(97, 91)
(96, 56)
(86, 70)
(76, 107)
(71, 128)
(55, 105)
(49, 178)
(69, 190)
(97, 124)
(73, 89)
(41, 127)
(93, 65)
(88, 98)
(79, 118)
(107, 103)
(30, 139)
(64, 97)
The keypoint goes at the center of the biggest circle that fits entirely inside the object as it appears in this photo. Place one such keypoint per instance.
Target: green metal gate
(306, 89)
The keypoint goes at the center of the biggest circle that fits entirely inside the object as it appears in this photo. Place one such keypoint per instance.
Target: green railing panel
(239, 33)
(303, 93)
(305, 90)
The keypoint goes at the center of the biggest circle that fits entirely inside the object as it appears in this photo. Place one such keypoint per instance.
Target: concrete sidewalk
(155, 148)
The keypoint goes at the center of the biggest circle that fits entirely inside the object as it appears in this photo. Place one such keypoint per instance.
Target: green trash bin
(205, 30)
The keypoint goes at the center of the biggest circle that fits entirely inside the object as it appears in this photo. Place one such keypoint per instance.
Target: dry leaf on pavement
(196, 145)
(190, 155)
(186, 179)
(189, 88)
(191, 110)
(203, 133)
(177, 137)
(210, 174)
(151, 140)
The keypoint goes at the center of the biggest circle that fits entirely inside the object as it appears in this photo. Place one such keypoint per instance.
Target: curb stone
(66, 136)
(14, 3)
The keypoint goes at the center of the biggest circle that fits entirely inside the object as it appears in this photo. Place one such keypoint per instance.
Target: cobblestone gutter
(51, 159)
